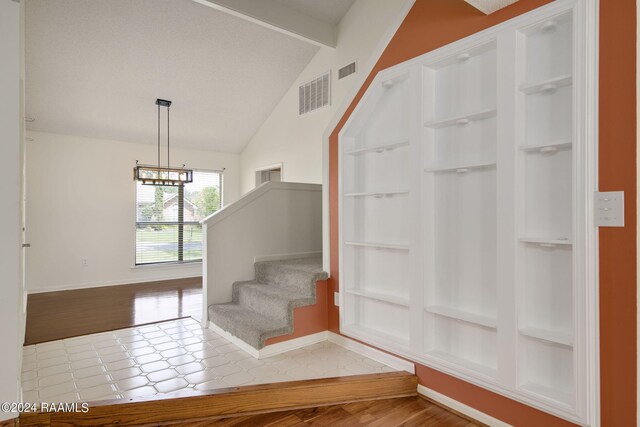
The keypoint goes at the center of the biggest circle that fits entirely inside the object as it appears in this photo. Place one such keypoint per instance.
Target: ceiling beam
(489, 6)
(278, 17)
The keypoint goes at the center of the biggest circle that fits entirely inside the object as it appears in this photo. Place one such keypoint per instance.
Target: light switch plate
(609, 209)
(336, 299)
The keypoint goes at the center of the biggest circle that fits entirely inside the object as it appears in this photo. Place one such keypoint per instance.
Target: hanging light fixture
(158, 175)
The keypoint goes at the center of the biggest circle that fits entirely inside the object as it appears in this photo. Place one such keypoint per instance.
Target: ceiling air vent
(347, 70)
(314, 94)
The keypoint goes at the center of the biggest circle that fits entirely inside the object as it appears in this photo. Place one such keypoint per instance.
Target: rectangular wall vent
(347, 70)
(314, 94)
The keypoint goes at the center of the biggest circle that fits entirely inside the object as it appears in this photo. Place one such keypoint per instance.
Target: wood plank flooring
(407, 411)
(64, 314)
(9, 423)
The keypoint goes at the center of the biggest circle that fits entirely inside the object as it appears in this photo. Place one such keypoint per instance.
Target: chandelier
(158, 175)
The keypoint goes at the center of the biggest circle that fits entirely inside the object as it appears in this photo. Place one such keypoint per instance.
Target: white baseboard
(296, 343)
(372, 353)
(273, 349)
(234, 340)
(281, 257)
(461, 407)
(292, 344)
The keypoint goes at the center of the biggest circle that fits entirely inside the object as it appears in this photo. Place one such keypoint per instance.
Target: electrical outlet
(85, 263)
(336, 299)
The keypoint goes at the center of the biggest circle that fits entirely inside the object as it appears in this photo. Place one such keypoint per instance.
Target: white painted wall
(10, 212)
(297, 141)
(81, 205)
(292, 213)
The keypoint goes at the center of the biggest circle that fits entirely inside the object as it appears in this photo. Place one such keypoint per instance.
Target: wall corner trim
(460, 407)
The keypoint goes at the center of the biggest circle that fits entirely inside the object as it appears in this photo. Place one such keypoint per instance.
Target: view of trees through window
(168, 218)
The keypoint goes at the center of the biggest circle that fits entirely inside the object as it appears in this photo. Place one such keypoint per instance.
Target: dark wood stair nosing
(234, 401)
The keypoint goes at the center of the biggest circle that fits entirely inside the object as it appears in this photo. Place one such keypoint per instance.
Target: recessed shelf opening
(463, 191)
(390, 320)
(462, 343)
(547, 370)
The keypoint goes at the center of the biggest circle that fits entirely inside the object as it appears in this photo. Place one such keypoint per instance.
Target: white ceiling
(95, 67)
(328, 11)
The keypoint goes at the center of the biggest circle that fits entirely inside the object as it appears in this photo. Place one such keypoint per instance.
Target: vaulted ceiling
(95, 67)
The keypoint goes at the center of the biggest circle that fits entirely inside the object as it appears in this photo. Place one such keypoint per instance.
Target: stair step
(250, 326)
(298, 275)
(271, 301)
(263, 308)
(203, 408)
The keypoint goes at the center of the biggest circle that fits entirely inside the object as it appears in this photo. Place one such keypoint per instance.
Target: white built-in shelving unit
(467, 242)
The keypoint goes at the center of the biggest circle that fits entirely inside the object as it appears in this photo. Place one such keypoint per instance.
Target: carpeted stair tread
(251, 327)
(264, 307)
(270, 300)
(299, 275)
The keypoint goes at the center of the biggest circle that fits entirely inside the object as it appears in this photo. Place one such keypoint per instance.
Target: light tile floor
(168, 357)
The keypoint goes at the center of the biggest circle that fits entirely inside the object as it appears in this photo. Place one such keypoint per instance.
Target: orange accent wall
(310, 319)
(434, 23)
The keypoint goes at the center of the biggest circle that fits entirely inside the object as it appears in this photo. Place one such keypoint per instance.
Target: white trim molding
(460, 407)
(390, 360)
(283, 257)
(273, 349)
(253, 195)
(296, 343)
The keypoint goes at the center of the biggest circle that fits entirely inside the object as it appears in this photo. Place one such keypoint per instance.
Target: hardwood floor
(9, 423)
(56, 315)
(407, 411)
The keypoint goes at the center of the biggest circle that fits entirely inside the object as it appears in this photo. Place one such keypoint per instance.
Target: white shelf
(546, 242)
(379, 148)
(546, 148)
(403, 302)
(463, 119)
(555, 337)
(379, 245)
(548, 392)
(464, 363)
(463, 168)
(476, 319)
(547, 86)
(377, 194)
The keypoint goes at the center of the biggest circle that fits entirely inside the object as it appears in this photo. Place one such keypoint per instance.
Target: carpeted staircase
(263, 308)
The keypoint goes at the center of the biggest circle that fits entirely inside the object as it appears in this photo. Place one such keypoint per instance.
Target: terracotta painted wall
(310, 319)
(435, 23)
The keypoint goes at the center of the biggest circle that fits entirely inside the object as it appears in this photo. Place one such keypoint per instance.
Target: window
(168, 218)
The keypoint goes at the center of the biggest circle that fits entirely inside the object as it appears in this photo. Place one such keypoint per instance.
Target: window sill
(166, 266)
